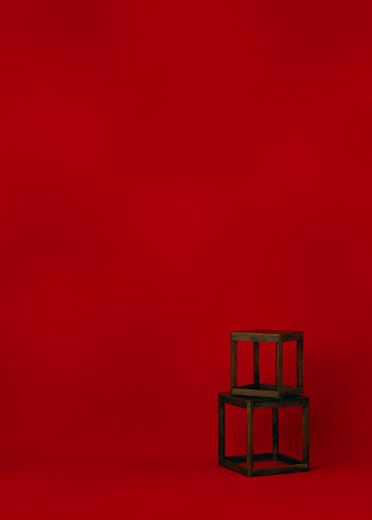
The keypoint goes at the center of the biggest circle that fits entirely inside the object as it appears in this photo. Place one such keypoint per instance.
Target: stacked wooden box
(258, 395)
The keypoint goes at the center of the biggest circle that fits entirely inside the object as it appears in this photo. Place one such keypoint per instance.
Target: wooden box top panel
(266, 335)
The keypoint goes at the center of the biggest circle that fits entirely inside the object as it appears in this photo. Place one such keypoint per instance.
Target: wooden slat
(268, 393)
(300, 362)
(306, 434)
(256, 362)
(230, 465)
(251, 392)
(280, 469)
(263, 402)
(234, 400)
(233, 363)
(267, 336)
(236, 458)
(281, 403)
(275, 413)
(221, 427)
(257, 457)
(249, 439)
(279, 364)
(292, 336)
(248, 336)
(288, 460)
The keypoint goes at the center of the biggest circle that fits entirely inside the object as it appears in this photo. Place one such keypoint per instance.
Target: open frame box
(257, 388)
(244, 463)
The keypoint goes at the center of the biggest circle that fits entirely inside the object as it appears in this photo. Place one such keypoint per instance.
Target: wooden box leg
(275, 433)
(256, 363)
(221, 429)
(249, 439)
(306, 435)
(300, 363)
(279, 364)
(233, 364)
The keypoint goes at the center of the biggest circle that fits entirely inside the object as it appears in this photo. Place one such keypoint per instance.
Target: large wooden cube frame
(258, 389)
(251, 404)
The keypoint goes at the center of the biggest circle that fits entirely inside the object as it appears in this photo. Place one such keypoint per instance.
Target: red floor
(147, 489)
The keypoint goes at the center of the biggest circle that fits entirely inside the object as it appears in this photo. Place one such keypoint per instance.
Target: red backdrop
(172, 171)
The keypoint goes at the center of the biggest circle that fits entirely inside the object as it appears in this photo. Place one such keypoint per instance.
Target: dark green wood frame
(257, 389)
(250, 404)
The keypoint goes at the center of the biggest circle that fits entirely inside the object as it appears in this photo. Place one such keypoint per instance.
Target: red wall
(172, 171)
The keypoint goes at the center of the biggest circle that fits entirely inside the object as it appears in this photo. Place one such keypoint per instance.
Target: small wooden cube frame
(257, 389)
(251, 404)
